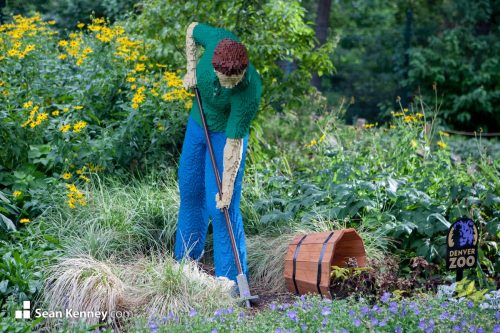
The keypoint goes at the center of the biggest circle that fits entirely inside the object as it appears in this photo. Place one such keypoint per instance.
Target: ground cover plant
(91, 127)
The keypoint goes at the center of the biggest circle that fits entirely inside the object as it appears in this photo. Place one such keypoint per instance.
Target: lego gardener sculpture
(230, 90)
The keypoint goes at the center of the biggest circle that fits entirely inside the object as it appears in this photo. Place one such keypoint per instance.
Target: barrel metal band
(295, 263)
(319, 262)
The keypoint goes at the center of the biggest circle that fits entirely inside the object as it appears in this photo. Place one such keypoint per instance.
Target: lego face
(229, 81)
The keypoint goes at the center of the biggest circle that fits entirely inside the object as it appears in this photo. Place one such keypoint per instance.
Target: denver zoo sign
(462, 246)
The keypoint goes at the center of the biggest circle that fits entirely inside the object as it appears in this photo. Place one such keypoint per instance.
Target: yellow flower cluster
(102, 32)
(176, 94)
(75, 196)
(74, 48)
(127, 48)
(35, 117)
(77, 127)
(172, 79)
(17, 194)
(24, 220)
(367, 125)
(139, 97)
(314, 142)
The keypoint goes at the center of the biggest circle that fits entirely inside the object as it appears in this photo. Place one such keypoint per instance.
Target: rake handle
(219, 183)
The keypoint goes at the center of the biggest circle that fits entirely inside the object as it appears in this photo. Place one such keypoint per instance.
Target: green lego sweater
(226, 109)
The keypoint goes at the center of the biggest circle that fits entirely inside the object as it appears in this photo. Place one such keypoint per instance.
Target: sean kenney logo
(68, 313)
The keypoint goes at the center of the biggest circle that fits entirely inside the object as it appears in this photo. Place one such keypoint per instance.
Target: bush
(70, 108)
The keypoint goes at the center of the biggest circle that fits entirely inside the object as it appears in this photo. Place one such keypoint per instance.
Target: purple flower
(364, 310)
(444, 315)
(293, 316)
(429, 329)
(497, 315)
(229, 310)
(421, 324)
(357, 322)
(399, 329)
(272, 306)
(480, 330)
(324, 322)
(192, 313)
(470, 304)
(385, 297)
(302, 297)
(393, 307)
(444, 305)
(279, 330)
(374, 321)
(215, 330)
(217, 313)
(382, 323)
(303, 327)
(496, 329)
(326, 311)
(375, 308)
(351, 313)
(152, 327)
(457, 328)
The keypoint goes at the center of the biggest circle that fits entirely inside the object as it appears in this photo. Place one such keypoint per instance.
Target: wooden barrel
(310, 257)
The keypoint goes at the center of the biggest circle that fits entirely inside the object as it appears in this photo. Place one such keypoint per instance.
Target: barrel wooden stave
(343, 243)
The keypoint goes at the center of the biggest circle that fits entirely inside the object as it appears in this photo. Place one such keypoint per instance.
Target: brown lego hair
(230, 57)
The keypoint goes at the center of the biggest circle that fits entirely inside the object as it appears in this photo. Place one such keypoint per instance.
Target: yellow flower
(17, 194)
(77, 107)
(322, 138)
(65, 109)
(444, 133)
(161, 66)
(405, 110)
(133, 87)
(139, 67)
(55, 113)
(143, 58)
(12, 53)
(87, 50)
(84, 178)
(24, 220)
(28, 104)
(189, 104)
(73, 35)
(67, 176)
(29, 48)
(65, 128)
(63, 43)
(392, 126)
(131, 79)
(52, 22)
(441, 144)
(80, 25)
(413, 143)
(78, 126)
(62, 56)
(420, 115)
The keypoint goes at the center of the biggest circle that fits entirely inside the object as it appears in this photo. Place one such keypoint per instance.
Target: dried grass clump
(266, 262)
(152, 286)
(164, 285)
(84, 284)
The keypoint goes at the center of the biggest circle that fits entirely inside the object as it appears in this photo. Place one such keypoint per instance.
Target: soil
(265, 297)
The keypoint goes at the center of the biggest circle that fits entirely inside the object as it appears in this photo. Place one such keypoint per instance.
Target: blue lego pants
(198, 188)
